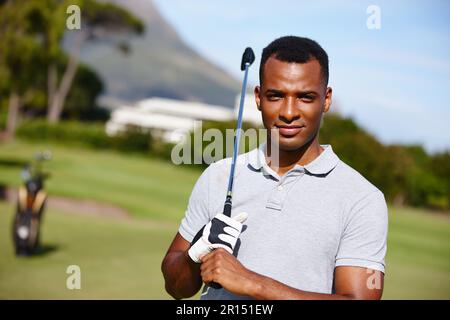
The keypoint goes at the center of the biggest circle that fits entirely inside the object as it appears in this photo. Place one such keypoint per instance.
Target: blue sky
(393, 81)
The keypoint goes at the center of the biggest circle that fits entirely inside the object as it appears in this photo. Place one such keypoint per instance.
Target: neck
(289, 158)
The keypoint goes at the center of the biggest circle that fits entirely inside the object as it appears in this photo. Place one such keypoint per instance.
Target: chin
(290, 144)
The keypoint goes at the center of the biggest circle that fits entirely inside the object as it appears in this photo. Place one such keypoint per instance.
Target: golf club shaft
(247, 59)
(228, 201)
(237, 138)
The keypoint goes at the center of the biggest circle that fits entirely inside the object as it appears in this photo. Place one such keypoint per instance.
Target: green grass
(418, 259)
(143, 187)
(120, 258)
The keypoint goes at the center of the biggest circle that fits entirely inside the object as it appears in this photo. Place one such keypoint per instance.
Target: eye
(274, 97)
(308, 98)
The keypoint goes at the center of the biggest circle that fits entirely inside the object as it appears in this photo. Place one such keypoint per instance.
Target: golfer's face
(292, 99)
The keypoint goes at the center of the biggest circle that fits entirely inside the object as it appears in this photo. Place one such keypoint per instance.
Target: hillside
(159, 63)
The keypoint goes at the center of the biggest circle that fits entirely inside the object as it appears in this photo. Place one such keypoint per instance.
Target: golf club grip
(227, 207)
(198, 236)
(214, 285)
(227, 212)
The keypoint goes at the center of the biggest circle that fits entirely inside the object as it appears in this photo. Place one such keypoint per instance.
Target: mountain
(159, 63)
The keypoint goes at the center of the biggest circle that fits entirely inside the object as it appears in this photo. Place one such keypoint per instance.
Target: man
(316, 229)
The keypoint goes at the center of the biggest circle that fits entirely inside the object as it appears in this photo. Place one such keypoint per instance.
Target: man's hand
(221, 232)
(223, 268)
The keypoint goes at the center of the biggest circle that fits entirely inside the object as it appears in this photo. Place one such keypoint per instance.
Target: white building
(172, 119)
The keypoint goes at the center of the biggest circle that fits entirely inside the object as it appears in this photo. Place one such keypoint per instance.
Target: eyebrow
(279, 92)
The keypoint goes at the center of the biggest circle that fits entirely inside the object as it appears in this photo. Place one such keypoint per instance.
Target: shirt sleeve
(363, 242)
(197, 212)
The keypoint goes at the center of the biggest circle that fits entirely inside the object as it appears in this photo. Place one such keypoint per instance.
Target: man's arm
(350, 282)
(181, 274)
(181, 266)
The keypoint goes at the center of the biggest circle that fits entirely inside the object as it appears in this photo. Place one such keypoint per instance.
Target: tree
(80, 103)
(440, 166)
(31, 34)
(20, 55)
(81, 100)
(98, 20)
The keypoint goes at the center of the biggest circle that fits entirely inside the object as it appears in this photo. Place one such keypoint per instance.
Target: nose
(289, 111)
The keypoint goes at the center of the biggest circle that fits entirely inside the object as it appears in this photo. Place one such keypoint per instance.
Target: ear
(328, 99)
(257, 93)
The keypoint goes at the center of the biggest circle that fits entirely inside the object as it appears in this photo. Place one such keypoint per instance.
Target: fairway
(144, 187)
(120, 257)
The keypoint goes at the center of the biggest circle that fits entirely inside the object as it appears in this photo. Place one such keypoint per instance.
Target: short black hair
(297, 50)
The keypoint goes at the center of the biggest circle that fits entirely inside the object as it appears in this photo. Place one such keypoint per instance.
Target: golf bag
(30, 207)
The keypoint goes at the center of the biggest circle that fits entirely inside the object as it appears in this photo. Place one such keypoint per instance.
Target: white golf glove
(221, 232)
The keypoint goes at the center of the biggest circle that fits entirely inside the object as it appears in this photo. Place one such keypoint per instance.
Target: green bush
(407, 175)
(132, 140)
(3, 117)
(90, 135)
(70, 132)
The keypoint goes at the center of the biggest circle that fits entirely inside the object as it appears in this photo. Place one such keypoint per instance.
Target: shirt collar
(256, 157)
(322, 165)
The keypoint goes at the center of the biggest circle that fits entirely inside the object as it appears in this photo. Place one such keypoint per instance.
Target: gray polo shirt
(300, 226)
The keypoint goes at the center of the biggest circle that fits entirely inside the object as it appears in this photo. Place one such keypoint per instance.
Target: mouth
(289, 130)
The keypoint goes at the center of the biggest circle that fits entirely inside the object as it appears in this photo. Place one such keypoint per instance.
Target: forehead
(290, 75)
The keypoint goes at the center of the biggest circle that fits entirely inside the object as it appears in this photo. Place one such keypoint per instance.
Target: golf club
(247, 59)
